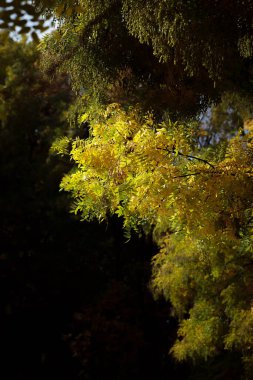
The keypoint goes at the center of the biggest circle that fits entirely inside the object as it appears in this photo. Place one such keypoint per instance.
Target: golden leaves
(157, 179)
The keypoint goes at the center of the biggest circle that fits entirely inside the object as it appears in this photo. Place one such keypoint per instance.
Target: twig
(188, 156)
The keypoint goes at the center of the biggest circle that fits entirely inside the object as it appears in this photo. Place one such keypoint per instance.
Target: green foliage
(195, 33)
(20, 75)
(60, 145)
(177, 56)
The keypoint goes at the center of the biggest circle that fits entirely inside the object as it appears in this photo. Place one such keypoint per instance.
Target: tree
(23, 15)
(198, 204)
(178, 56)
(64, 284)
(188, 184)
(181, 55)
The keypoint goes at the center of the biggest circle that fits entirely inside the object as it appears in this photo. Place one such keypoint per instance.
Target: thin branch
(196, 158)
(186, 175)
(188, 156)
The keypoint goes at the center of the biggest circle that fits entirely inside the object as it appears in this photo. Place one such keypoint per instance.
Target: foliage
(31, 117)
(188, 184)
(199, 207)
(24, 87)
(33, 16)
(23, 15)
(178, 56)
(59, 277)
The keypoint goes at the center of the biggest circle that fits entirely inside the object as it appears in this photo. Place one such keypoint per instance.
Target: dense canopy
(177, 54)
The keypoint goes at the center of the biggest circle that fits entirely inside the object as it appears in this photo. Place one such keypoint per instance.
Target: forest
(126, 152)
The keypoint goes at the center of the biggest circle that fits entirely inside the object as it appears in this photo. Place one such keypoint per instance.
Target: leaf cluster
(157, 178)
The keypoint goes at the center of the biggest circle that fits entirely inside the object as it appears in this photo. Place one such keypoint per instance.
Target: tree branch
(196, 158)
(189, 156)
(186, 175)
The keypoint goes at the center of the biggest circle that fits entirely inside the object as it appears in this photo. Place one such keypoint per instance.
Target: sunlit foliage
(198, 204)
(187, 183)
